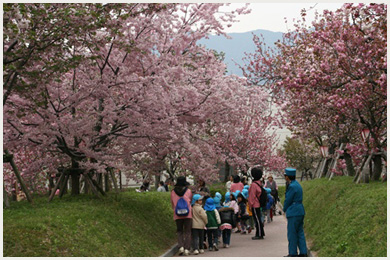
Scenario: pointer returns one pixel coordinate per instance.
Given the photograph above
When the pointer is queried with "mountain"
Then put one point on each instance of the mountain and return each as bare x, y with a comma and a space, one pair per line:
239, 43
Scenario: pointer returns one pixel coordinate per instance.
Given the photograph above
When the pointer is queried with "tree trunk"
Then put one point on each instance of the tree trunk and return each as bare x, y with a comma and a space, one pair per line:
114, 180
325, 170
53, 192
5, 197
377, 167
348, 160
157, 179
91, 184
97, 186
227, 171
86, 185
106, 182
99, 180
75, 174
64, 185
18, 176
120, 180
51, 185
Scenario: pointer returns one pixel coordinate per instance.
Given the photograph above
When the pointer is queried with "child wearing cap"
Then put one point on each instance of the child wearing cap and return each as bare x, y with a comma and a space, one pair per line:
199, 221
213, 222
270, 202
243, 215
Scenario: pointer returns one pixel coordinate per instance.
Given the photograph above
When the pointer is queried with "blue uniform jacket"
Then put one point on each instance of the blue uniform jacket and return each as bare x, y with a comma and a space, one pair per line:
293, 203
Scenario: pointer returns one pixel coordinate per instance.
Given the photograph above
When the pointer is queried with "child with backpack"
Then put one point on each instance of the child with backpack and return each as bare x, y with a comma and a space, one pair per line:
213, 222
255, 191
199, 221
243, 215
227, 224
182, 214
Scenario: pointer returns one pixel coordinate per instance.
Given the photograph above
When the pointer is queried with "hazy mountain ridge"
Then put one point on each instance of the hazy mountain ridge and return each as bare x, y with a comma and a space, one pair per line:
239, 44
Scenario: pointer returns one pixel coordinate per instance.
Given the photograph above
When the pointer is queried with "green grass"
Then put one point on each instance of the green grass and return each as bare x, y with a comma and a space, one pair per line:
344, 219
129, 225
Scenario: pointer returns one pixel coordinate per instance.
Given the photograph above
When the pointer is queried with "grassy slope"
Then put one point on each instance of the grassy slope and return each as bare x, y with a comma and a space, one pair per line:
130, 224
344, 219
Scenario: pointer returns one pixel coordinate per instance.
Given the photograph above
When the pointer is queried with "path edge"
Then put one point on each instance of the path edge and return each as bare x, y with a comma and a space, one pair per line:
171, 252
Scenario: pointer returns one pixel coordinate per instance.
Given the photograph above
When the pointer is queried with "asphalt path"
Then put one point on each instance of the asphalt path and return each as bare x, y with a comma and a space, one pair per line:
274, 244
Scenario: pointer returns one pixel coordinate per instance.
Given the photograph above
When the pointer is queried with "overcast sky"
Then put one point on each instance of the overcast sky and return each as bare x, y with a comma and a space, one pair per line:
270, 16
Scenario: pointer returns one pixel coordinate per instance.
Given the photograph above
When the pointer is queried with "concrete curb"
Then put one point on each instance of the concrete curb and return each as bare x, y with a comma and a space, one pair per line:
171, 252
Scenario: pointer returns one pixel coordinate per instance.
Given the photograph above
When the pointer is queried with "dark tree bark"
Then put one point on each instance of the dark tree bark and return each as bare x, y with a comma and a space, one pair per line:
377, 167
227, 171
106, 183
348, 160
18, 176
75, 173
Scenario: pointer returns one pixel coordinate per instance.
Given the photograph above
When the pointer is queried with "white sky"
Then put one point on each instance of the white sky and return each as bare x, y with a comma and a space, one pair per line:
270, 16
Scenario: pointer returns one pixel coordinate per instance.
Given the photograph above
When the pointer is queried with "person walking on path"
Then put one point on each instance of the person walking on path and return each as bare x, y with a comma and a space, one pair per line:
161, 187
199, 221
270, 203
236, 185
295, 214
229, 183
227, 222
183, 223
254, 203
213, 222
243, 214
273, 186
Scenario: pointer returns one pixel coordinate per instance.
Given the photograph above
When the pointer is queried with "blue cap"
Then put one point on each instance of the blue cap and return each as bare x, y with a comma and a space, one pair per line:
246, 187
217, 201
209, 206
227, 196
236, 193
268, 190
218, 195
195, 198
290, 172
245, 193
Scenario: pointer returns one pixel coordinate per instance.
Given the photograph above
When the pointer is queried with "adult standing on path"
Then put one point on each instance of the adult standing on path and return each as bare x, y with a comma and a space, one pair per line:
183, 223
229, 183
254, 203
295, 214
236, 185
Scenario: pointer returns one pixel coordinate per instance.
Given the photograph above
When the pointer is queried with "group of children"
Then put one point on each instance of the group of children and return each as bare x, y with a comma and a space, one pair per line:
213, 219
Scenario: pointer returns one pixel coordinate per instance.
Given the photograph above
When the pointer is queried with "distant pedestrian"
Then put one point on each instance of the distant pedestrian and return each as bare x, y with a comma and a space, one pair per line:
229, 183
270, 183
167, 183
202, 189
161, 187
199, 221
295, 214
213, 222
236, 185
254, 203
183, 220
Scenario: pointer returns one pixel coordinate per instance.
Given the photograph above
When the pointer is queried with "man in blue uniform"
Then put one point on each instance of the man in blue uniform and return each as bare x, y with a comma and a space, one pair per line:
295, 213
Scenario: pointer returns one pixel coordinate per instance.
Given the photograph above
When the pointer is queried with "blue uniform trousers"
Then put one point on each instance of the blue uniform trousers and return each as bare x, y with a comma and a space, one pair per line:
296, 236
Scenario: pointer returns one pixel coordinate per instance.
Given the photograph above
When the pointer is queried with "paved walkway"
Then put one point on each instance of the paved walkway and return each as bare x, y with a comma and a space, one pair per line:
275, 243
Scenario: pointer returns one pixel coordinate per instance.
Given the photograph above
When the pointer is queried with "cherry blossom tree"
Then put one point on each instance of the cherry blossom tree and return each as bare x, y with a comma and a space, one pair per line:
136, 91
330, 78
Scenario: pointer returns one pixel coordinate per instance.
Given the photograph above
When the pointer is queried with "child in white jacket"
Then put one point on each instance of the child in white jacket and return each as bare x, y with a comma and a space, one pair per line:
199, 221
